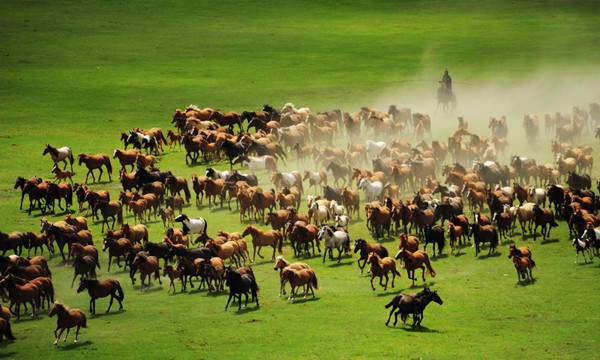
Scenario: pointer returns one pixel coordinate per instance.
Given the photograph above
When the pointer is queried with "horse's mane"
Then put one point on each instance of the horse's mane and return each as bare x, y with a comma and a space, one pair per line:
60, 304
192, 107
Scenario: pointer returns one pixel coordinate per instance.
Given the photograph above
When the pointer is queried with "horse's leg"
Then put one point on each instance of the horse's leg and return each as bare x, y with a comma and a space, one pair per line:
387, 280
112, 296
324, 255
67, 334
59, 334
390, 316
77, 332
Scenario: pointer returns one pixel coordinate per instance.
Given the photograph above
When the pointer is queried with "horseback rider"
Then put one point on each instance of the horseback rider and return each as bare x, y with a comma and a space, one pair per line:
447, 81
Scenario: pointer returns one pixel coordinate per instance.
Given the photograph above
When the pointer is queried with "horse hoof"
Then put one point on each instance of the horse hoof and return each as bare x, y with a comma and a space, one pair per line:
75, 341
56, 342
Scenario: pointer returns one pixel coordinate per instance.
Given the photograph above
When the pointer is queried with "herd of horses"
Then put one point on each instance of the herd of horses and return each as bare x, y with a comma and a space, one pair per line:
398, 168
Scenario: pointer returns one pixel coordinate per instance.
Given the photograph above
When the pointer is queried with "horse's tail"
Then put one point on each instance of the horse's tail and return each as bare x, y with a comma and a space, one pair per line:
186, 190
162, 137
108, 164
280, 242
84, 323
51, 290
120, 291
430, 269
8, 332
532, 262
441, 244
71, 158
384, 252
553, 223
120, 216
70, 196
315, 282
403, 317
398, 272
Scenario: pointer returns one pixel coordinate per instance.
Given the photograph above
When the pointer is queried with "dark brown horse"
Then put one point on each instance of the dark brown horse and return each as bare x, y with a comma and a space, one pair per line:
21, 294
67, 319
110, 209
147, 265
365, 249
98, 289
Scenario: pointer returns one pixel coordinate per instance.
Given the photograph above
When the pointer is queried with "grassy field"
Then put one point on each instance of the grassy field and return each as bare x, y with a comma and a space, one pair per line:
78, 74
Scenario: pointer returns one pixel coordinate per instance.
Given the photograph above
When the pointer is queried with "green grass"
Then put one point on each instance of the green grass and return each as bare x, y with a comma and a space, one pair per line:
79, 74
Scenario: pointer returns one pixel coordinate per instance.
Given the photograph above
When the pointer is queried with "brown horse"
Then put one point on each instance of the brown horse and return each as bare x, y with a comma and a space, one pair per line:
261, 238
62, 174
98, 289
45, 286
172, 274
455, 233
302, 234
522, 264
5, 330
126, 157
95, 162
365, 249
281, 263
296, 278
116, 248
35, 241
380, 267
229, 250
21, 294
414, 261
79, 222
109, 209
67, 319
147, 265
78, 249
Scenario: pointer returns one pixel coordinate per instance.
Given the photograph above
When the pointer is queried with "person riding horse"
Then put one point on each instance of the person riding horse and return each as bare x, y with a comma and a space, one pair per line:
447, 82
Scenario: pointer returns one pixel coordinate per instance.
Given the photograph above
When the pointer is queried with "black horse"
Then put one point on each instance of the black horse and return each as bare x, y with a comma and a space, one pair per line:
232, 150
483, 234
435, 235
275, 114
446, 211
144, 176
579, 181
235, 176
84, 266
240, 284
196, 253
160, 250
415, 304
333, 194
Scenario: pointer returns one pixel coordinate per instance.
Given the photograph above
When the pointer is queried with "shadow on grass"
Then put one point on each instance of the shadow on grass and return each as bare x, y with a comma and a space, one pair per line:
526, 283
73, 345
548, 241
300, 299
422, 329
103, 313
492, 255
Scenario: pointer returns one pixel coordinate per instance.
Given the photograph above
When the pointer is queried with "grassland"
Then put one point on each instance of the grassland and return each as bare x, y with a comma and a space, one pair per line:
77, 74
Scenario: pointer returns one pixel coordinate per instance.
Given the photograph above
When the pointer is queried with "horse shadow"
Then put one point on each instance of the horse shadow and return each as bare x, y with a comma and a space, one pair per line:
152, 289
485, 256
247, 309
440, 256
74, 345
423, 329
301, 300
526, 283
111, 313
548, 241
457, 254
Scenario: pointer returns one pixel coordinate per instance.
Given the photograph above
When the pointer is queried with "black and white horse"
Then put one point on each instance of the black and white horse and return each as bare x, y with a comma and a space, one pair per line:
141, 141
192, 226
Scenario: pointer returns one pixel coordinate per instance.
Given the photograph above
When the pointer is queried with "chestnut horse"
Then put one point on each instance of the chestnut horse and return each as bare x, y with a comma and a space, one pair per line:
67, 319
21, 294
414, 261
365, 249
261, 238
380, 267
126, 157
281, 263
296, 278
98, 289
95, 162
147, 265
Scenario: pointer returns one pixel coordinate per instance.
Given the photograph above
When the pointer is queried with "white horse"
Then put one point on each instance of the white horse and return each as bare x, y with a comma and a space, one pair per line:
216, 174
342, 221
319, 213
335, 209
373, 189
265, 162
192, 226
337, 239
304, 113
537, 196
60, 154
315, 178
374, 148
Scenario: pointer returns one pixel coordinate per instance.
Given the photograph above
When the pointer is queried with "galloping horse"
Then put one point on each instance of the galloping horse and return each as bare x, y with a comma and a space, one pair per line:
261, 238
95, 162
240, 284
98, 289
67, 319
380, 267
60, 154
365, 249
334, 239
303, 277
192, 226
412, 304
414, 261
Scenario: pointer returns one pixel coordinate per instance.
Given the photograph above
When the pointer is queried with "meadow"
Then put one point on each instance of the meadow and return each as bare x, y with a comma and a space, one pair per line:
78, 74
